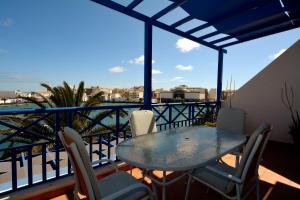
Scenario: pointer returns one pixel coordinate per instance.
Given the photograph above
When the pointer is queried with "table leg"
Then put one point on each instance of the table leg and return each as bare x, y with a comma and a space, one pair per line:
164, 186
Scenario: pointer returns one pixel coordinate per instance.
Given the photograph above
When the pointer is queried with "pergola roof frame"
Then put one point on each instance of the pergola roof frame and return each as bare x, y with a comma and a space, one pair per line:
277, 21
128, 11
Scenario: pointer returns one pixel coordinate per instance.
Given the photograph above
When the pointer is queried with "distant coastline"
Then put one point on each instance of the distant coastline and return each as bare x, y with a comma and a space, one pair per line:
24, 105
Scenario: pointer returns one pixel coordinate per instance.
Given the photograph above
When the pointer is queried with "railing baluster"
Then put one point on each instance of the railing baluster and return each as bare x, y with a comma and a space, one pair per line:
170, 116
44, 162
57, 142
108, 147
100, 147
14, 176
117, 125
29, 165
91, 148
69, 123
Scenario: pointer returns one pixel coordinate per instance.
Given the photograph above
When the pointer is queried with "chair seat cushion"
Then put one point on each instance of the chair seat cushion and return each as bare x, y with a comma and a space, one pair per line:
215, 180
118, 181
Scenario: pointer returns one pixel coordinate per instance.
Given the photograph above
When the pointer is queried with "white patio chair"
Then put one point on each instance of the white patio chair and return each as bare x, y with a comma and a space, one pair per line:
232, 120
235, 183
142, 122
119, 185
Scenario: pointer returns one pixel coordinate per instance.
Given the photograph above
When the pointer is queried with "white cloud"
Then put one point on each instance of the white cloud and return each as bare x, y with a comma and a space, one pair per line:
184, 67
6, 22
276, 55
177, 78
156, 71
186, 45
139, 60
117, 69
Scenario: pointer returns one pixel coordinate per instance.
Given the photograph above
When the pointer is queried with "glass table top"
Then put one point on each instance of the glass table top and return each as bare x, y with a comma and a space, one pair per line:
178, 149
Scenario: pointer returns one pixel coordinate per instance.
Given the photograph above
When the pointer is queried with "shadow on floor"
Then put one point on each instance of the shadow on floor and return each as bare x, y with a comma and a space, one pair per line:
283, 159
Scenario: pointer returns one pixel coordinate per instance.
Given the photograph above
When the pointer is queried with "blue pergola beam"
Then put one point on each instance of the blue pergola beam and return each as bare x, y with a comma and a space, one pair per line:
266, 31
137, 15
133, 4
198, 28
220, 77
209, 35
182, 21
168, 9
148, 66
221, 39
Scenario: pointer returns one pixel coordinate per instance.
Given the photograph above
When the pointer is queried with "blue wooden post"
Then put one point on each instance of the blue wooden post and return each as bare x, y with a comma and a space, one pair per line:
220, 77
148, 66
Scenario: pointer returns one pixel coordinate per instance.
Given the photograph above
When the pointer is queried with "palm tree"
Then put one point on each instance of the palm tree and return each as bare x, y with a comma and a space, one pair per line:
60, 96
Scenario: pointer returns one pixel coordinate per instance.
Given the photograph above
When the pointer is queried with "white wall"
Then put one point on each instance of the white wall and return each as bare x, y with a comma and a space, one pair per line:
166, 95
260, 97
194, 95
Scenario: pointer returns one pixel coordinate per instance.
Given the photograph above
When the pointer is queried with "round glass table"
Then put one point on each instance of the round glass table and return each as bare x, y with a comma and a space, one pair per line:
179, 149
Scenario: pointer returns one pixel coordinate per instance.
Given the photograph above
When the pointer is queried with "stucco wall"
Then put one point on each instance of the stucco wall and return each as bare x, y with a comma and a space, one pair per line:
260, 97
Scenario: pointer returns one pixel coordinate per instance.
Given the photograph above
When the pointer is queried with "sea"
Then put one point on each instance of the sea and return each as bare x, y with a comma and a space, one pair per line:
107, 121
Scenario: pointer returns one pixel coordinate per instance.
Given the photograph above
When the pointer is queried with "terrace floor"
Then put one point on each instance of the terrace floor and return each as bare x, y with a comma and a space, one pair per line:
279, 177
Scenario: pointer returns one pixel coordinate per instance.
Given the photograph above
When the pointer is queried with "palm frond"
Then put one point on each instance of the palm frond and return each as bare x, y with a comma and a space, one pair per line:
79, 94
46, 99
69, 94
34, 101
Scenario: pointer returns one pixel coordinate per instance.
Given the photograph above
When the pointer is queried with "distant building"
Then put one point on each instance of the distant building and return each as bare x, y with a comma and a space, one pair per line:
94, 90
136, 95
212, 94
117, 97
8, 97
184, 93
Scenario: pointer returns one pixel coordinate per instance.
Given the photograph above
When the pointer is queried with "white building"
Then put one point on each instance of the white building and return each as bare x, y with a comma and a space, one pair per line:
8, 97
212, 94
194, 96
184, 93
117, 97
136, 95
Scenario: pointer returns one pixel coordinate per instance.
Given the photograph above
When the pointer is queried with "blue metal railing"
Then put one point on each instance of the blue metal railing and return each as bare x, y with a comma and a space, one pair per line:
44, 159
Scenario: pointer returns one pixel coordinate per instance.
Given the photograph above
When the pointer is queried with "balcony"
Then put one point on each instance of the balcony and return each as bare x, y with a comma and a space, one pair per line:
45, 165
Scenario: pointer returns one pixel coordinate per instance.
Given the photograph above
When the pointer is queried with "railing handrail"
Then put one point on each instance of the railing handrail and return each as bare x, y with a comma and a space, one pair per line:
61, 109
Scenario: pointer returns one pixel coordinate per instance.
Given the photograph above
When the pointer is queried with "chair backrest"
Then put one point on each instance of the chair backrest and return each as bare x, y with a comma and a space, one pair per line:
252, 153
250, 172
142, 122
85, 178
231, 119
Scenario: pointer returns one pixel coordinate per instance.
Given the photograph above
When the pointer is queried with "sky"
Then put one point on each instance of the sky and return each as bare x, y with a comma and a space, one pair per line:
51, 41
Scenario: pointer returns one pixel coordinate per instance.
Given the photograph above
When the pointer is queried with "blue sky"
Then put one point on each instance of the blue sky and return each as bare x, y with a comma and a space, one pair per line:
48, 41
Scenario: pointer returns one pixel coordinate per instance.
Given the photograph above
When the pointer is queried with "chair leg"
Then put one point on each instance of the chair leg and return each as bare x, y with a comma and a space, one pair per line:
238, 192
154, 191
187, 190
237, 160
257, 189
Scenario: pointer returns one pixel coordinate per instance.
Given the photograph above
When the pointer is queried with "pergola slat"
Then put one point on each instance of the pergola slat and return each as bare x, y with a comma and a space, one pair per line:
133, 4
168, 9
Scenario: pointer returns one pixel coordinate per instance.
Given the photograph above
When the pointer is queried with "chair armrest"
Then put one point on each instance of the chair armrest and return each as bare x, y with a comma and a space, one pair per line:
112, 163
225, 175
126, 190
